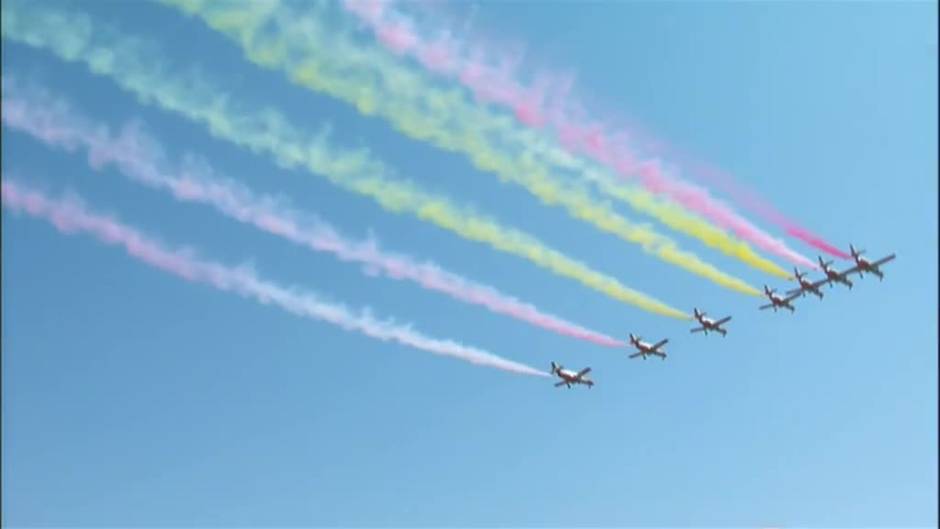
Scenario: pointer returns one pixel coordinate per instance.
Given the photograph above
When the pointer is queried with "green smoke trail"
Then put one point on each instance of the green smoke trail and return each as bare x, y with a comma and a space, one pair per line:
329, 62
139, 68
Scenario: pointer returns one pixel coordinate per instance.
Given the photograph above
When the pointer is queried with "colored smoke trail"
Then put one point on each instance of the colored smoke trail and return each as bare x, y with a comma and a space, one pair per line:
70, 216
804, 235
137, 67
668, 212
535, 106
751, 201
140, 157
296, 45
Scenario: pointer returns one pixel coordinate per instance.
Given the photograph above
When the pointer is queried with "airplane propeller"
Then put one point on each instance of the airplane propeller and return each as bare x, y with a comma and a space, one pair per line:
799, 275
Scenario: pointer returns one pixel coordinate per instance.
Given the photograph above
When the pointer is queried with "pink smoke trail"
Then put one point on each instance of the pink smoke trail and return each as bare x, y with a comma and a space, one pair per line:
723, 181
70, 216
754, 203
537, 105
141, 158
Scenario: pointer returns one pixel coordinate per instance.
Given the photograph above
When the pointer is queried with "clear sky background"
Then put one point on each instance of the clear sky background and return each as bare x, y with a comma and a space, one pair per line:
131, 398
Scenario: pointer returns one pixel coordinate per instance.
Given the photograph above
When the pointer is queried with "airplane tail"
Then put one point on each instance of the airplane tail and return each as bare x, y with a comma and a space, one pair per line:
797, 274
855, 253
554, 368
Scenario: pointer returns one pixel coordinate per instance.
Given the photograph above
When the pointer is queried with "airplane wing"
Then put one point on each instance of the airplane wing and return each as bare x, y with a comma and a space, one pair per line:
883, 260
767, 306
583, 372
634, 355
723, 320
852, 270
698, 329
791, 297
562, 383
815, 284
660, 344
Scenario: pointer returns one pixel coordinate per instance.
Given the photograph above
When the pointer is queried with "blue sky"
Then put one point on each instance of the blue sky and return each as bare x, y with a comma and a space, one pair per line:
131, 398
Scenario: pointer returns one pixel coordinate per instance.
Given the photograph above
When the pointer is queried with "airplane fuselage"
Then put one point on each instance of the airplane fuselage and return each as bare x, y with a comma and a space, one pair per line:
645, 349
572, 378
779, 302
709, 324
569, 377
865, 266
835, 277
807, 285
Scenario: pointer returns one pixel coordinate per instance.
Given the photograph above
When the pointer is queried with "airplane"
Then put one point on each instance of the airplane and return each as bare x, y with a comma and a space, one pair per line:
570, 377
832, 275
709, 324
863, 265
807, 285
778, 302
645, 349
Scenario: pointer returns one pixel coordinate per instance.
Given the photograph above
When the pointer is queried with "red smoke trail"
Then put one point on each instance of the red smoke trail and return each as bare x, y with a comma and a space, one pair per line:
754, 203
70, 216
538, 105
141, 158
723, 181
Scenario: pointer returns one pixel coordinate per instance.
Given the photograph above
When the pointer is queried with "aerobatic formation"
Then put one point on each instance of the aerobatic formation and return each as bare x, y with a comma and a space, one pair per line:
397, 63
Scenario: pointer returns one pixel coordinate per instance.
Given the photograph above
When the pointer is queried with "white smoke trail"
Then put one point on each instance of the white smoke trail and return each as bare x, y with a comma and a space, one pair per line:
70, 216
31, 109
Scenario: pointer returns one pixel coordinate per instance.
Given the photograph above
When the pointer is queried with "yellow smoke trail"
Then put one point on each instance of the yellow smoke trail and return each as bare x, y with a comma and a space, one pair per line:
138, 68
663, 210
327, 62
